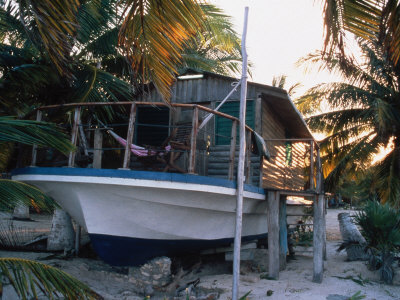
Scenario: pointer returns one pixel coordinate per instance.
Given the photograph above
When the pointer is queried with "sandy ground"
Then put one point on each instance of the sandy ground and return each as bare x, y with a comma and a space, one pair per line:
294, 282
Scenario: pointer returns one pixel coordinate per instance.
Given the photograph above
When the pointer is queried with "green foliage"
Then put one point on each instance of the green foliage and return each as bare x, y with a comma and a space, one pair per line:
32, 132
361, 115
380, 226
357, 296
244, 297
359, 280
30, 278
13, 193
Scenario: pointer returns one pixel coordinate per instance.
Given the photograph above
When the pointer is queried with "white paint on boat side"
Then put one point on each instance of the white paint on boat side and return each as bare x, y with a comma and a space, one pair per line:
152, 209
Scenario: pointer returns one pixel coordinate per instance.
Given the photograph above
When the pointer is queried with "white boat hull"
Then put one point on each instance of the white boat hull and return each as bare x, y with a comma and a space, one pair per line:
149, 209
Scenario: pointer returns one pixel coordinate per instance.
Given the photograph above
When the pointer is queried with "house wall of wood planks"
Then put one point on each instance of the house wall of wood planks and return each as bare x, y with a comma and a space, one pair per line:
286, 169
274, 116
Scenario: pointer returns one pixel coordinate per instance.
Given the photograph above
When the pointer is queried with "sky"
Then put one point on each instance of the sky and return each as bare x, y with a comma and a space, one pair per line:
279, 33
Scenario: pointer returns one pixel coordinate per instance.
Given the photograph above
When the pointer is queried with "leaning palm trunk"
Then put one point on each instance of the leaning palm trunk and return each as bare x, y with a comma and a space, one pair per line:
353, 241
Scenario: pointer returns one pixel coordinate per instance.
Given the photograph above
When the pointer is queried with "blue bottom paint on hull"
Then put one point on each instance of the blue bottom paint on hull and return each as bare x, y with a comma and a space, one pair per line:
124, 251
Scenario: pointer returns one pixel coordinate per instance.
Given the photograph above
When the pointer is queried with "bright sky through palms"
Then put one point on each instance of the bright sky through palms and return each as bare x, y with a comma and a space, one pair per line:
279, 33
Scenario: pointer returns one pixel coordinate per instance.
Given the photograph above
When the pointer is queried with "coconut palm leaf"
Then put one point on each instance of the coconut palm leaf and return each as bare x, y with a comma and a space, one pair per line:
33, 133
153, 35
56, 24
217, 48
32, 280
389, 179
11, 28
13, 193
368, 19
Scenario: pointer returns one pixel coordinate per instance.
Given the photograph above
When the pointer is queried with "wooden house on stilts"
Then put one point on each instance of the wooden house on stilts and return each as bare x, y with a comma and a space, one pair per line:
282, 162
292, 169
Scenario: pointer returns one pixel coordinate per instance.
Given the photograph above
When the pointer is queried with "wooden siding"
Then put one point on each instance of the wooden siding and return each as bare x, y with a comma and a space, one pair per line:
281, 172
207, 89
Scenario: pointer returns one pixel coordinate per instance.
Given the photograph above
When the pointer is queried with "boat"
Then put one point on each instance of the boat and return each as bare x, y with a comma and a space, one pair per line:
133, 216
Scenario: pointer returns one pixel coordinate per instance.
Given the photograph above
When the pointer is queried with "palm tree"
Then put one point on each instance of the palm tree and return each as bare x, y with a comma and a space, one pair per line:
374, 20
280, 82
150, 34
363, 114
215, 48
30, 278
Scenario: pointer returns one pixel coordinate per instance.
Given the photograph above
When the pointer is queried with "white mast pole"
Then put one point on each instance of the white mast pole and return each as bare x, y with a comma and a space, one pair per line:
240, 174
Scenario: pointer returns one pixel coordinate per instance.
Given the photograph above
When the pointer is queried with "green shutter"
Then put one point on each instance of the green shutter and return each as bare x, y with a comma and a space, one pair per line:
223, 126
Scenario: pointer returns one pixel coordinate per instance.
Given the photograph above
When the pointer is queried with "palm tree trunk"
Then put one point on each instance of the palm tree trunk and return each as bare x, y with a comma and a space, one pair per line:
351, 234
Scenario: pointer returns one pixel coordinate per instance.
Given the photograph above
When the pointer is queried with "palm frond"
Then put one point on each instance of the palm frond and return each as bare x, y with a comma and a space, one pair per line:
153, 35
32, 279
34, 133
56, 23
348, 160
11, 29
389, 179
13, 193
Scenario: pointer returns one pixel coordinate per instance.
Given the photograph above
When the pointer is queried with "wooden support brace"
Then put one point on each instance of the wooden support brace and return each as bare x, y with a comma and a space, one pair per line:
74, 135
129, 136
193, 138
34, 148
77, 239
232, 151
273, 234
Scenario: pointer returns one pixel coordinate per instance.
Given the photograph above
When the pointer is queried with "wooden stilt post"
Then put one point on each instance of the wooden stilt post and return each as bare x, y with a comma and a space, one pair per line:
97, 152
232, 151
193, 138
34, 148
319, 227
74, 135
273, 234
283, 242
129, 137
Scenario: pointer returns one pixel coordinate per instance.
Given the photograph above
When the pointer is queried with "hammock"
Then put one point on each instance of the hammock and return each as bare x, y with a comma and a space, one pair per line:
137, 150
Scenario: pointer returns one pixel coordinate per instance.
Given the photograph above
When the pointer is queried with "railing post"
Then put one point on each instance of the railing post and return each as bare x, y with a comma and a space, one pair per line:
74, 135
34, 148
248, 157
311, 165
129, 136
232, 151
195, 126
97, 145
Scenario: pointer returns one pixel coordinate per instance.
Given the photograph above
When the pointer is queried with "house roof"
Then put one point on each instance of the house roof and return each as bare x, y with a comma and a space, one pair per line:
285, 109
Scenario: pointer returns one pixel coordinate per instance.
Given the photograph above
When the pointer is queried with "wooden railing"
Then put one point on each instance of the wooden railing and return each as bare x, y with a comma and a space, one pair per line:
131, 128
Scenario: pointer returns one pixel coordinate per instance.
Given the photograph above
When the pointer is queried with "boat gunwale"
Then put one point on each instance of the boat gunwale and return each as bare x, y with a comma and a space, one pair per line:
133, 174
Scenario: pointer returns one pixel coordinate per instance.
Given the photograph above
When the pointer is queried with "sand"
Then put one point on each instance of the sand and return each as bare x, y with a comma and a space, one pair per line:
294, 283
